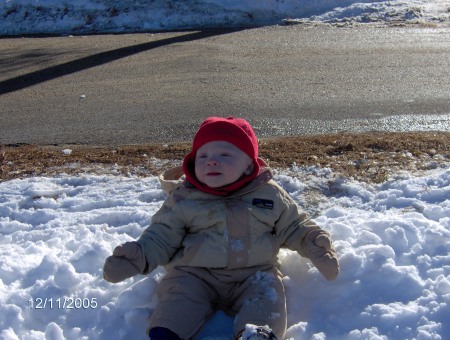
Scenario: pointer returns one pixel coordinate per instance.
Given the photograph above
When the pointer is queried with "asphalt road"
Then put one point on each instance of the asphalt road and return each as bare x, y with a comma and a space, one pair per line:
141, 88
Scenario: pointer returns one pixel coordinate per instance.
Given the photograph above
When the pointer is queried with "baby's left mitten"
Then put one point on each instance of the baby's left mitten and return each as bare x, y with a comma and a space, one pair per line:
320, 250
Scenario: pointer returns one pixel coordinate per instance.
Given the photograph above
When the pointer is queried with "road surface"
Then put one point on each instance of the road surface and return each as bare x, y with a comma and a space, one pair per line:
287, 80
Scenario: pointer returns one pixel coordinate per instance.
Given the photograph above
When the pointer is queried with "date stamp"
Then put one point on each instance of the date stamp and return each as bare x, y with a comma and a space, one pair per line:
62, 303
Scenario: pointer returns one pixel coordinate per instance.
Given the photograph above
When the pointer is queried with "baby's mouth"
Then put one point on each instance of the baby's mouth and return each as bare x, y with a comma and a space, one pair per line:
213, 174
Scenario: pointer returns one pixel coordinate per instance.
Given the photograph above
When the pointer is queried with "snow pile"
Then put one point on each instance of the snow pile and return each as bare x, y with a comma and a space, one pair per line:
100, 16
395, 12
393, 241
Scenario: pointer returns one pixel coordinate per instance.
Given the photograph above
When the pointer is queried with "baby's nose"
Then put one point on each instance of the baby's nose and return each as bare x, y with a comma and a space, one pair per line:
212, 161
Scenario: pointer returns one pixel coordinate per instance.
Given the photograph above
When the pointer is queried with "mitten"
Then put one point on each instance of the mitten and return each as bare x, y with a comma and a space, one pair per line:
319, 249
127, 260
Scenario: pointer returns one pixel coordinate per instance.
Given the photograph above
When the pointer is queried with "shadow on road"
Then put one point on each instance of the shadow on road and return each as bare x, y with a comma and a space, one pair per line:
53, 72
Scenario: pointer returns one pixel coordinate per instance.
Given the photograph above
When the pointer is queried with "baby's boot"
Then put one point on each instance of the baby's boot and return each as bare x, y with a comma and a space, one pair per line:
161, 333
253, 332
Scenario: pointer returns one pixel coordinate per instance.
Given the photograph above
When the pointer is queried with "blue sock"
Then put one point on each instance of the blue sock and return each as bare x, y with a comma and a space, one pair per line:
161, 333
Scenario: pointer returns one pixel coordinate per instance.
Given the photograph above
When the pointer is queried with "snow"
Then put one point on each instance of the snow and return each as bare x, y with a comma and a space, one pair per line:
392, 239
100, 16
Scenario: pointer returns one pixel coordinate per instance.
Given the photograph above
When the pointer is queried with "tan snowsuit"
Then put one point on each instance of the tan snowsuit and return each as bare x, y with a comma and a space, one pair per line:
221, 252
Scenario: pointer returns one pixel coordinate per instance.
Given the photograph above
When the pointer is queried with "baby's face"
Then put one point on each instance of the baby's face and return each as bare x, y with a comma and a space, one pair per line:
221, 163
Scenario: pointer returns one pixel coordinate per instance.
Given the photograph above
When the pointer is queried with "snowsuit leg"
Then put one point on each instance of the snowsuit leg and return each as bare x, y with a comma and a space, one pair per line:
184, 303
262, 302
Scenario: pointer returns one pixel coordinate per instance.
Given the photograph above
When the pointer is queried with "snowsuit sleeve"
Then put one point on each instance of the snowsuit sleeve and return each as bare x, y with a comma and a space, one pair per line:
162, 239
293, 224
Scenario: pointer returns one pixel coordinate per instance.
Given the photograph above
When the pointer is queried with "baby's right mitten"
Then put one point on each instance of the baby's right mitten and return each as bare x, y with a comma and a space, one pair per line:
127, 260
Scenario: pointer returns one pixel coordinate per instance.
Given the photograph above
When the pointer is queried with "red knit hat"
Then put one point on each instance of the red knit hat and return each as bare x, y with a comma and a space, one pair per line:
236, 131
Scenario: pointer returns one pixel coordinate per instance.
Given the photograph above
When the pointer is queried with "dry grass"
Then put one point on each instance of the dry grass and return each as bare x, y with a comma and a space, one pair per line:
369, 157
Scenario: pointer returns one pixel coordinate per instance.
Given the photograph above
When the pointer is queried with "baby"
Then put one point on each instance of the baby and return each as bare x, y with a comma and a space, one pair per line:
219, 233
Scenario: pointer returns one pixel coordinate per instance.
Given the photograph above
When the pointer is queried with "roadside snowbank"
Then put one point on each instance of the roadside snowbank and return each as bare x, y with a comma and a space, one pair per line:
92, 16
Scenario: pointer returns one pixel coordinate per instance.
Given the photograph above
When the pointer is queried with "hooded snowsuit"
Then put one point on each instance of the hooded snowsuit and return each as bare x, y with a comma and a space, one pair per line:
222, 253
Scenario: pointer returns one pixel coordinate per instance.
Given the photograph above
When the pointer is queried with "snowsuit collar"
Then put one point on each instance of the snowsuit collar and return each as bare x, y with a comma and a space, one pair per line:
174, 178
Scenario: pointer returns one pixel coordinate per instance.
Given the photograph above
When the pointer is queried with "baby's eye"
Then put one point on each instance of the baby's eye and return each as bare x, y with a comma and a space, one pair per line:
226, 155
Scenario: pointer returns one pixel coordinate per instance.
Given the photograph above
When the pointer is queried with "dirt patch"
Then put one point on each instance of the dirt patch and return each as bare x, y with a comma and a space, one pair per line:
369, 157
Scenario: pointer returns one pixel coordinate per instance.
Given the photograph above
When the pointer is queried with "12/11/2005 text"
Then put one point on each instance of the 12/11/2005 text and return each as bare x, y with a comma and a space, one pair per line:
62, 303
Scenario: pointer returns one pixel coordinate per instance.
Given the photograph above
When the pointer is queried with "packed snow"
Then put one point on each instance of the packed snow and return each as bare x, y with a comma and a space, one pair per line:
392, 239
100, 16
